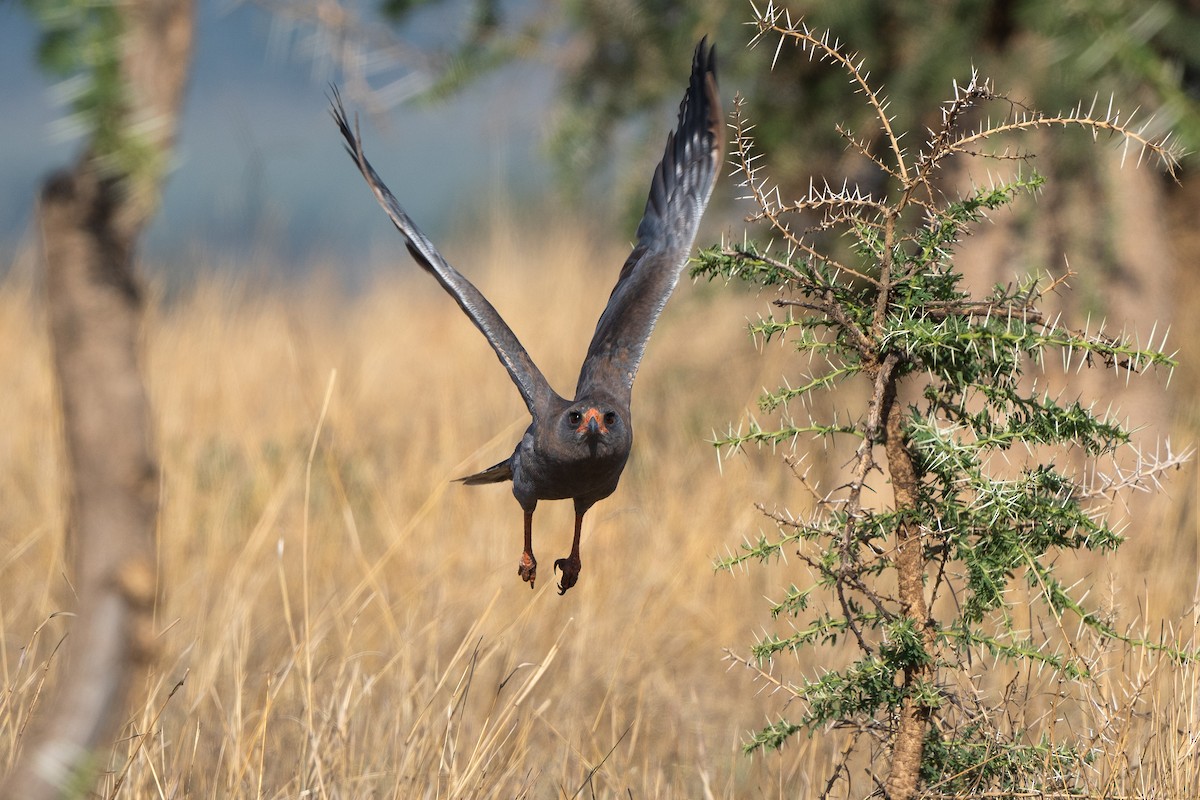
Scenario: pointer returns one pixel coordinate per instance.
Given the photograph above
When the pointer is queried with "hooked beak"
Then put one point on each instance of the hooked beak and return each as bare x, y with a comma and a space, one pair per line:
592, 424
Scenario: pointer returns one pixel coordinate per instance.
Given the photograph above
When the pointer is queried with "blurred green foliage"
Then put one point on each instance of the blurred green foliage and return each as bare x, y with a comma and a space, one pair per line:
623, 60
80, 40
81, 43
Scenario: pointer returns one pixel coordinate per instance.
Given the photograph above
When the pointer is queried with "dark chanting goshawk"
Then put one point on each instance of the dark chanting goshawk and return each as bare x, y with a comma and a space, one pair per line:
577, 448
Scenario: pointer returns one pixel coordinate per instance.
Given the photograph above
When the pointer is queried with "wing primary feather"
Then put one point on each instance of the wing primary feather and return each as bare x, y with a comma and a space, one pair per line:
525, 374
679, 192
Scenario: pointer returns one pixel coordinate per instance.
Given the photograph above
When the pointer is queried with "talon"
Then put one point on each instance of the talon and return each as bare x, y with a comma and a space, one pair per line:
528, 568
570, 573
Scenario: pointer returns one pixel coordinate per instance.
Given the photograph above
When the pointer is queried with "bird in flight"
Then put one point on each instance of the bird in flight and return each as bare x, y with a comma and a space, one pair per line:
577, 448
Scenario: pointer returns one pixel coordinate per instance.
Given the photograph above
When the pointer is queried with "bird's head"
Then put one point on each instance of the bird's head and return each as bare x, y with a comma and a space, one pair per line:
598, 426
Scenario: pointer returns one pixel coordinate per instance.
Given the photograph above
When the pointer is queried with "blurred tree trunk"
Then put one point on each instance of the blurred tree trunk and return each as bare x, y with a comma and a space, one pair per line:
91, 219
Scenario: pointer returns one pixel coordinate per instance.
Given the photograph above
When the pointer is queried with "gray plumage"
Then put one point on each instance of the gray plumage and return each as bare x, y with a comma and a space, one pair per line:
577, 448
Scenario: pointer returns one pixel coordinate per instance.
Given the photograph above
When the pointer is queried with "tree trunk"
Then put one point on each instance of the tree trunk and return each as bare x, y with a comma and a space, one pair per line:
90, 227
909, 744
95, 312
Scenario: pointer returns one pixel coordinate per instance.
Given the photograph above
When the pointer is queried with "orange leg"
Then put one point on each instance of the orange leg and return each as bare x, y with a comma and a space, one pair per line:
528, 567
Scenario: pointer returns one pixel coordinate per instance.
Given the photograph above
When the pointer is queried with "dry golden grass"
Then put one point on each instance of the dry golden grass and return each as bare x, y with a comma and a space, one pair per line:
342, 621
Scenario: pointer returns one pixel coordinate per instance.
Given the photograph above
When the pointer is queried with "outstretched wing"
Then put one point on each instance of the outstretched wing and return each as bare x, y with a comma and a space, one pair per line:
679, 192
525, 374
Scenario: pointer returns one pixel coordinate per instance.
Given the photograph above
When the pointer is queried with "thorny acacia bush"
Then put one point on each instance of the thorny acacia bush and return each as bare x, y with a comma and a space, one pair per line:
978, 453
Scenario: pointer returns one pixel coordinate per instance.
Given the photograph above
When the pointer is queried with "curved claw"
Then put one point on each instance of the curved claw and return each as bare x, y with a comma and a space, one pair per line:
527, 569
570, 573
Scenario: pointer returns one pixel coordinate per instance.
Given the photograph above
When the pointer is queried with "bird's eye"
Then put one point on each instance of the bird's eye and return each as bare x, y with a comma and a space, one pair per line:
610, 418
575, 417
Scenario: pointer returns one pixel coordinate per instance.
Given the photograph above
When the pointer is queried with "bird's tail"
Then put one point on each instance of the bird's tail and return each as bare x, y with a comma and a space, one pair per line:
496, 474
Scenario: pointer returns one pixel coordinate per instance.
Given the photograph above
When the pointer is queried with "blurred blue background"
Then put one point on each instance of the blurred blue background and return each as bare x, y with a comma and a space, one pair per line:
259, 167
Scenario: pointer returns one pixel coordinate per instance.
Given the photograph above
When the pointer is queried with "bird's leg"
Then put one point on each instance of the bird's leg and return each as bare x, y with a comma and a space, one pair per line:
528, 566
570, 564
